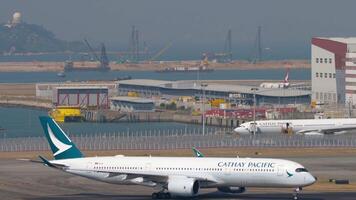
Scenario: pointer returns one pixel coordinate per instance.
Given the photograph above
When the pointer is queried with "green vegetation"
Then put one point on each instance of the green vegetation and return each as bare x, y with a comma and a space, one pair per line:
34, 38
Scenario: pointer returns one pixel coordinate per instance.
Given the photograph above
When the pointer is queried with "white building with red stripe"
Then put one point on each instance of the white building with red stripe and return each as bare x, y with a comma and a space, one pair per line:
333, 62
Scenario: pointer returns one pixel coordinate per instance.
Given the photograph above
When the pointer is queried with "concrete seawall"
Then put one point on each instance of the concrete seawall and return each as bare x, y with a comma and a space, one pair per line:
25, 103
113, 116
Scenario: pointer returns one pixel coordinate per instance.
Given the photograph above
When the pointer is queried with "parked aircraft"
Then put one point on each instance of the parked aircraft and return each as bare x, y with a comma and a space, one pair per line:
310, 127
283, 84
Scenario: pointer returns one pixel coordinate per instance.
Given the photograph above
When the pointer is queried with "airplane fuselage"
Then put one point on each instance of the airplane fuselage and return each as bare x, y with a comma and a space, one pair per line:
296, 126
232, 172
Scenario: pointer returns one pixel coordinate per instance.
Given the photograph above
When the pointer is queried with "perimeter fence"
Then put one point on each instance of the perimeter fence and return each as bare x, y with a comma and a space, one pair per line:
179, 139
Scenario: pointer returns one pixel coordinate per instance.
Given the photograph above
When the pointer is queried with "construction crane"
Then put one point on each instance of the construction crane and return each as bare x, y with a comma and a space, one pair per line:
103, 60
164, 49
91, 49
257, 51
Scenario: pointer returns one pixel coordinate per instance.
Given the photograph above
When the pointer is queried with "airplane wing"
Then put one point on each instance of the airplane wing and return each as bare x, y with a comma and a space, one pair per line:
326, 131
151, 179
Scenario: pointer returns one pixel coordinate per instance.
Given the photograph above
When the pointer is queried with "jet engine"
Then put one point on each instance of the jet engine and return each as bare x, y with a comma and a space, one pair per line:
232, 189
183, 186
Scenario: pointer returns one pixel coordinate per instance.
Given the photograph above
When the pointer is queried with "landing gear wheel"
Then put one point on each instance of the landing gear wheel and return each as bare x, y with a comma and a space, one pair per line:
161, 195
167, 195
154, 195
296, 193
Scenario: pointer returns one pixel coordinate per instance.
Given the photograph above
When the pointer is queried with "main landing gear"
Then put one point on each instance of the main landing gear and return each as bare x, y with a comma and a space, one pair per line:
161, 195
296, 193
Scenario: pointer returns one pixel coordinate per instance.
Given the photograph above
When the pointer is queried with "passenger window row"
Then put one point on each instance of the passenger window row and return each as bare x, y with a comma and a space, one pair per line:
255, 170
216, 169
129, 168
182, 169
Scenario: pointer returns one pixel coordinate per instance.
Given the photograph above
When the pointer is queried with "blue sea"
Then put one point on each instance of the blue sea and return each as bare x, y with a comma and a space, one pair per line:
24, 122
33, 77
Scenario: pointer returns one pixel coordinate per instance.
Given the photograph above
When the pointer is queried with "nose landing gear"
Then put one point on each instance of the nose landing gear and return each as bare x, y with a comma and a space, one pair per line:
296, 193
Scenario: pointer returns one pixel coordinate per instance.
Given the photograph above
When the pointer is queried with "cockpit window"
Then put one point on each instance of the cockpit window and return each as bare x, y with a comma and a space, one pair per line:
301, 170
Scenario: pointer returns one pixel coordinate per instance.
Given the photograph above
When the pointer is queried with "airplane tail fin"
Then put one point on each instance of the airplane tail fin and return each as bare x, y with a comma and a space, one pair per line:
61, 146
197, 153
286, 78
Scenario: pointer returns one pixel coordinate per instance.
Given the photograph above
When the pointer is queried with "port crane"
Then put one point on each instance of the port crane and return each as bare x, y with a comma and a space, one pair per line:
164, 49
103, 59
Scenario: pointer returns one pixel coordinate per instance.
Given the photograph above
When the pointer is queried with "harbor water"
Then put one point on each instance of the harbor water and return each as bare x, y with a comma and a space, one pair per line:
24, 122
273, 74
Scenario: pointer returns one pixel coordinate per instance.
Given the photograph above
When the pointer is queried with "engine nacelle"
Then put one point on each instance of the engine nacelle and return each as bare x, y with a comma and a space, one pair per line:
232, 189
183, 186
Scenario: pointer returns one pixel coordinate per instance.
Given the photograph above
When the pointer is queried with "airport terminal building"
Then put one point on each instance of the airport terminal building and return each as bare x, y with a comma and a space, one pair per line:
240, 94
333, 62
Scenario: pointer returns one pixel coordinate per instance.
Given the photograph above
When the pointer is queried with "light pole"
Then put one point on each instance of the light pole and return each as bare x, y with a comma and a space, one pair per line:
254, 110
350, 106
203, 86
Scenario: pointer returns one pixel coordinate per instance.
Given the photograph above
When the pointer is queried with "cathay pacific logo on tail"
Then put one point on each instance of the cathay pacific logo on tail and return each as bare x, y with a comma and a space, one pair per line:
57, 143
61, 146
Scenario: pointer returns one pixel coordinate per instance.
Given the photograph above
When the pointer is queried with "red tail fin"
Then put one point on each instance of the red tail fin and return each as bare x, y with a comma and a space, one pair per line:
286, 78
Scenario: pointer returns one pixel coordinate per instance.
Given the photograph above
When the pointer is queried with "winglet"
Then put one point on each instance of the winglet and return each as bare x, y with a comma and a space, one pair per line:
197, 153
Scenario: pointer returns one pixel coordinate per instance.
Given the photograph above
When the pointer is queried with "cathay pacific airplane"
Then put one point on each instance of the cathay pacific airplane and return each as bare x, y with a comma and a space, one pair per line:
175, 176
310, 127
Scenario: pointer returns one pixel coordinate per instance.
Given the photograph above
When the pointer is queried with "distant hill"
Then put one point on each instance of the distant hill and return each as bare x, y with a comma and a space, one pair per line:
25, 37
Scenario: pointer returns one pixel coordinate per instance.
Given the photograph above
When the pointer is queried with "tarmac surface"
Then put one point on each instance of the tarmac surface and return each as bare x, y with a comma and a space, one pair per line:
26, 180
33, 181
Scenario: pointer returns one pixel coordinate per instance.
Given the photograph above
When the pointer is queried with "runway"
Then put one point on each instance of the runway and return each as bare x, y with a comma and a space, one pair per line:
315, 196
33, 181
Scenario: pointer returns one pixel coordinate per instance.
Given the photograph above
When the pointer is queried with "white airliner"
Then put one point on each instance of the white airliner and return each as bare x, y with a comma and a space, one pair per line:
174, 176
311, 127
283, 84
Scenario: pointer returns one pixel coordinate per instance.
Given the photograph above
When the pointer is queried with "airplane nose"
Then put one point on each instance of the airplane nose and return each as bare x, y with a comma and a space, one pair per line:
241, 130
311, 179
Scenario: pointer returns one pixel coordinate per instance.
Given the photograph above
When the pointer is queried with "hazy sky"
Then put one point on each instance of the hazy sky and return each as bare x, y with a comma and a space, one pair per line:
288, 25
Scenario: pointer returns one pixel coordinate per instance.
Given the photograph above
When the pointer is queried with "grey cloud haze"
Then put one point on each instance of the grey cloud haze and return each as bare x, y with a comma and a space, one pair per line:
191, 23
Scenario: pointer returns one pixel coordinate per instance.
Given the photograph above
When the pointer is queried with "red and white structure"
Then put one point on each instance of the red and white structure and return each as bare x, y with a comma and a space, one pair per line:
333, 62
87, 97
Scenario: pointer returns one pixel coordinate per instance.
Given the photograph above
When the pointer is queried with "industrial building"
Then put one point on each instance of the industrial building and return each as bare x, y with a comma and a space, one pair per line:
45, 90
85, 97
239, 94
333, 62
131, 104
